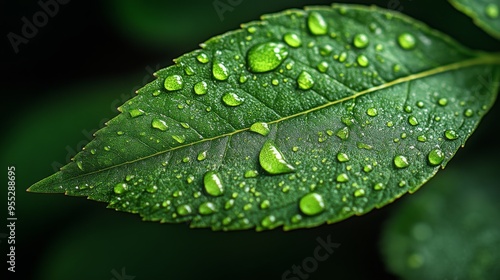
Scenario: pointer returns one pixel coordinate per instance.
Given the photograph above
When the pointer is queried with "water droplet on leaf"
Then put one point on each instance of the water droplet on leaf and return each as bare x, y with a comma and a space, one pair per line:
189, 71
317, 24
159, 124
401, 161
152, 189
136, 112
173, 82
265, 204
202, 156
372, 112
292, 39
362, 61
260, 128
342, 157
206, 208
322, 66
120, 188
312, 204
231, 99
492, 11
179, 138
305, 80
203, 58
342, 178
343, 133
272, 161
184, 210
361, 41
406, 41
213, 184
251, 174
412, 120
435, 157
268, 221
266, 57
219, 71
450, 134
468, 112
201, 88
442, 101
359, 192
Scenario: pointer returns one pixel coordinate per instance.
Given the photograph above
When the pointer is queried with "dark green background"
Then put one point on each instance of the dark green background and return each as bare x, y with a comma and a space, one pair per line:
87, 60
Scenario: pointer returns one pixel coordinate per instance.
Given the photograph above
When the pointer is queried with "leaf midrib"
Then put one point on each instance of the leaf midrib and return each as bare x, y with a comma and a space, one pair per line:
482, 59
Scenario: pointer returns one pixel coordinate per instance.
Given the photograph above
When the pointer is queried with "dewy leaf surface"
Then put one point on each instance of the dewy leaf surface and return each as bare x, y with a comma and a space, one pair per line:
484, 13
305, 117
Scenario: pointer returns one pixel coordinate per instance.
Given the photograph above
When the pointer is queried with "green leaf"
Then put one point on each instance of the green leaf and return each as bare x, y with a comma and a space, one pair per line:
305, 117
456, 216
484, 13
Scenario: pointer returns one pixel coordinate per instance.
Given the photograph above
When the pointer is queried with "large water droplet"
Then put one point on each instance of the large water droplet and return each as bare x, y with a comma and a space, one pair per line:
159, 124
136, 112
343, 133
268, 221
360, 41
120, 188
435, 157
206, 208
231, 99
219, 71
202, 156
412, 120
292, 39
359, 193
378, 186
442, 101
79, 164
260, 128
272, 161
450, 134
362, 60
312, 204
342, 57
179, 138
305, 80
201, 88
251, 174
406, 41
492, 10
317, 24
184, 209
401, 161
266, 57
342, 178
372, 112
173, 82
203, 58
213, 184
342, 157
189, 71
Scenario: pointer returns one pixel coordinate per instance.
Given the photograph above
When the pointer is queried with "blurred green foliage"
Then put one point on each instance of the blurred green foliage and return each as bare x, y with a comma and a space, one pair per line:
449, 231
